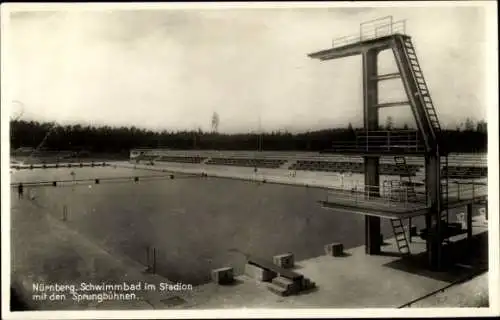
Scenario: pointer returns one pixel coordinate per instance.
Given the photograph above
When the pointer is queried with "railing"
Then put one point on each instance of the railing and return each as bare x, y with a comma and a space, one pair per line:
373, 29
390, 195
383, 141
460, 190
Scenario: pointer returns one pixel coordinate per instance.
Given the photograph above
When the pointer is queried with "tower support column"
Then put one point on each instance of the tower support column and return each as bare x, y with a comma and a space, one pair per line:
433, 218
372, 179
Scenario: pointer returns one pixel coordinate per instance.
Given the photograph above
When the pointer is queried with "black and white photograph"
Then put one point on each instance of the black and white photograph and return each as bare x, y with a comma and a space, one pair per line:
220, 160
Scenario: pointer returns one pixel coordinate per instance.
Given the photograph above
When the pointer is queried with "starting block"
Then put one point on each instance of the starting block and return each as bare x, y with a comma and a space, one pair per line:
286, 261
335, 249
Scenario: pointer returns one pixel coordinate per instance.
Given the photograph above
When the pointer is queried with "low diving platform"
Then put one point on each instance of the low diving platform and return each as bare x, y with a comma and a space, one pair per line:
400, 202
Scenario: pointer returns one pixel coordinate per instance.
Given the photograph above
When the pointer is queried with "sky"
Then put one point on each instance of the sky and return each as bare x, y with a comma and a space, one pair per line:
172, 69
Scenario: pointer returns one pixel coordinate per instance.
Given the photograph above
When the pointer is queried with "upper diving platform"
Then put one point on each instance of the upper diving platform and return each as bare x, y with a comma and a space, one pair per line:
377, 33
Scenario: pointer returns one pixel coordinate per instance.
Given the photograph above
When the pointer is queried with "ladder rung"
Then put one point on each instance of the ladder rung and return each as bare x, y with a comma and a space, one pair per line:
387, 76
392, 104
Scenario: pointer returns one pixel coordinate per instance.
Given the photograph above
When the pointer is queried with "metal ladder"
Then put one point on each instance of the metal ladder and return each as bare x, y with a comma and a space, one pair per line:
423, 93
411, 193
400, 236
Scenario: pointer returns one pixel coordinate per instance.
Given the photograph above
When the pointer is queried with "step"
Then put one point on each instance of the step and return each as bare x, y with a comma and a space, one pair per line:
307, 284
277, 290
283, 282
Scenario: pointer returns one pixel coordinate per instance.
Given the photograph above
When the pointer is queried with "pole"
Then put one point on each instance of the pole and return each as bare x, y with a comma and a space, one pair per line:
154, 260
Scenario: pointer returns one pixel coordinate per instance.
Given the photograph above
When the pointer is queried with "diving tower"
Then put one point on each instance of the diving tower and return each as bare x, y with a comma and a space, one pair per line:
402, 200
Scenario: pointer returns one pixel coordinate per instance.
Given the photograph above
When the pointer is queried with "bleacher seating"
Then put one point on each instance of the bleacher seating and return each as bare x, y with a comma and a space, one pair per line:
457, 172
354, 167
247, 162
145, 157
179, 159
392, 169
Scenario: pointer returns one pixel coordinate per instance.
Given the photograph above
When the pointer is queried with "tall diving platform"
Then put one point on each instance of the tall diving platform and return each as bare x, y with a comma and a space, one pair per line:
404, 199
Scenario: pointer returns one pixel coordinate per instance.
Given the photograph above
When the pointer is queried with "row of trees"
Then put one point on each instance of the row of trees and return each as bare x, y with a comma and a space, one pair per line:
467, 125
122, 139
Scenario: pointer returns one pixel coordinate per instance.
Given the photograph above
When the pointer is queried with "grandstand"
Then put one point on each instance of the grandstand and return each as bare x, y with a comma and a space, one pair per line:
248, 162
195, 159
459, 166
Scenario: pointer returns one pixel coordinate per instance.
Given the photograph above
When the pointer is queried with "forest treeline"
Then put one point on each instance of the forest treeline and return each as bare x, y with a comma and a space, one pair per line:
105, 139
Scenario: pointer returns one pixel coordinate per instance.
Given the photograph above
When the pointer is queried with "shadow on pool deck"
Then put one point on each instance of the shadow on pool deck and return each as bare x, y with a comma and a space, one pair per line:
461, 259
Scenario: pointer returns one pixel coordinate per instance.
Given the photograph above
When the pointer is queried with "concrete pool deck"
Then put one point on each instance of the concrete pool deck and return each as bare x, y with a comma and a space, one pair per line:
282, 176
48, 251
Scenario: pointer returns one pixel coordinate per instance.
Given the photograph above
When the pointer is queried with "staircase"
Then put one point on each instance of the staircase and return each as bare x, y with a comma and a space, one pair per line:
406, 173
418, 91
285, 287
423, 91
400, 236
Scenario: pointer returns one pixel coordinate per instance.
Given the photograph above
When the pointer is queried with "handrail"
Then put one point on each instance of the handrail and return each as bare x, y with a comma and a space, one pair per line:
370, 30
466, 190
388, 193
